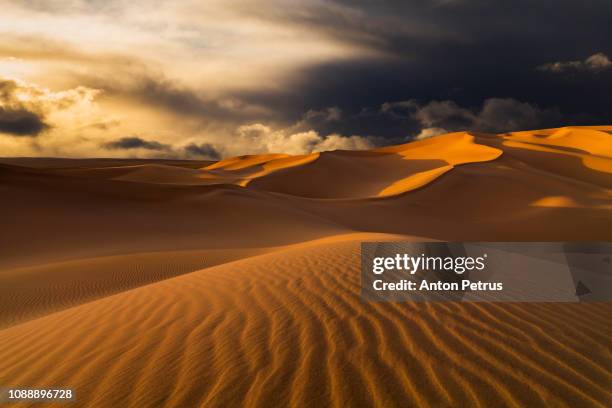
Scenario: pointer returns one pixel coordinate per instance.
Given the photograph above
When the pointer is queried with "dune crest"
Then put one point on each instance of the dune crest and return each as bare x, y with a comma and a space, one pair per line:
454, 148
592, 140
414, 181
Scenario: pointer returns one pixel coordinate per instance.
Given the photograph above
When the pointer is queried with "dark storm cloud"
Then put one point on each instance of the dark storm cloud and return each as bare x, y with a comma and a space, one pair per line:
21, 122
445, 114
162, 92
156, 90
205, 150
595, 63
190, 151
496, 115
460, 52
18, 117
134, 142
505, 115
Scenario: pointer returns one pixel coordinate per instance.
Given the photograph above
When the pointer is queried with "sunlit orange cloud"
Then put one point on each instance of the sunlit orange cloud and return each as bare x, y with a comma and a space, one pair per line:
169, 73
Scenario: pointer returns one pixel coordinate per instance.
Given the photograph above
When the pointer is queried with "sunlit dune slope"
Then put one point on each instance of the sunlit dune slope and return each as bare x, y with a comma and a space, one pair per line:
380, 172
580, 153
289, 329
593, 140
343, 174
453, 149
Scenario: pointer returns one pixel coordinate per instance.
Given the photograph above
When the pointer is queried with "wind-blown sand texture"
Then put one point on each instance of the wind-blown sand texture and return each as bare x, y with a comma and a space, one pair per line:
236, 283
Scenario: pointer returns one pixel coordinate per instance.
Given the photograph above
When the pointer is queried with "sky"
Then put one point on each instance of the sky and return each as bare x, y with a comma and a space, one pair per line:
217, 78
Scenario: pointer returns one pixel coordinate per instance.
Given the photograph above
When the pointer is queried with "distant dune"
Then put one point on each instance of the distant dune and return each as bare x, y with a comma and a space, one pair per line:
151, 283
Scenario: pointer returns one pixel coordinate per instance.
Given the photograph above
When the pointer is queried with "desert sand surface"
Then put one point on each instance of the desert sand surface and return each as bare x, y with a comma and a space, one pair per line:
150, 283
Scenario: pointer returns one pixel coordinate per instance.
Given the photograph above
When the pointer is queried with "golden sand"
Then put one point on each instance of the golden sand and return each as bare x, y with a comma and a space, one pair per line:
148, 284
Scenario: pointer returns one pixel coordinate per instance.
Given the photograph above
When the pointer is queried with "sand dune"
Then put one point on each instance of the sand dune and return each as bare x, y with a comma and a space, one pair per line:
236, 283
83, 218
592, 140
343, 175
33, 291
288, 328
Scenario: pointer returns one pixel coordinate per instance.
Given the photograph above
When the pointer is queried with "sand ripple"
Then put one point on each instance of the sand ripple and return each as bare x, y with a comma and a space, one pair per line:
289, 328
